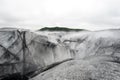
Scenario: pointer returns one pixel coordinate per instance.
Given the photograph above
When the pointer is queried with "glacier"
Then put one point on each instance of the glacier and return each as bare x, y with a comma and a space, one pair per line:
96, 56
45, 55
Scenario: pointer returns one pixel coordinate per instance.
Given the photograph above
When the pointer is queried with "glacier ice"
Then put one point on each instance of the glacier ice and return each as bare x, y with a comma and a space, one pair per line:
85, 55
96, 57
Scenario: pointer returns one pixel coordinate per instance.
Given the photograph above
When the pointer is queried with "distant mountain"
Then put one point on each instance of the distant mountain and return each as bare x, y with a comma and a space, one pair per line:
59, 29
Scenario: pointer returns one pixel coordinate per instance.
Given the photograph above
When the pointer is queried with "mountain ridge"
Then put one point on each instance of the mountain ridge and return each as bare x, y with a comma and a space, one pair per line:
59, 29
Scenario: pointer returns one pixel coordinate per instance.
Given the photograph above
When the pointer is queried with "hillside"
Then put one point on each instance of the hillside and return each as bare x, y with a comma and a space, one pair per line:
59, 29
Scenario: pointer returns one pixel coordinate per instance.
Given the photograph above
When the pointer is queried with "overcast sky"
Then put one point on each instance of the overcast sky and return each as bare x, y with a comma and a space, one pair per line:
34, 14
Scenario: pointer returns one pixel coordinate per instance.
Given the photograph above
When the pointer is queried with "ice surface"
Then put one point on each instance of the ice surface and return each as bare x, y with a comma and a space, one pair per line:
40, 51
96, 57
85, 55
86, 44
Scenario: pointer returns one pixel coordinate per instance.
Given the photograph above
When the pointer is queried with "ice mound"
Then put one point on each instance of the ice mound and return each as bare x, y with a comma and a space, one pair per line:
96, 57
85, 44
23, 51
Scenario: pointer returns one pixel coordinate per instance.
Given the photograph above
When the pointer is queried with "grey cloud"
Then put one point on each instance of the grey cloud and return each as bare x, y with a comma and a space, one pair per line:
108, 15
